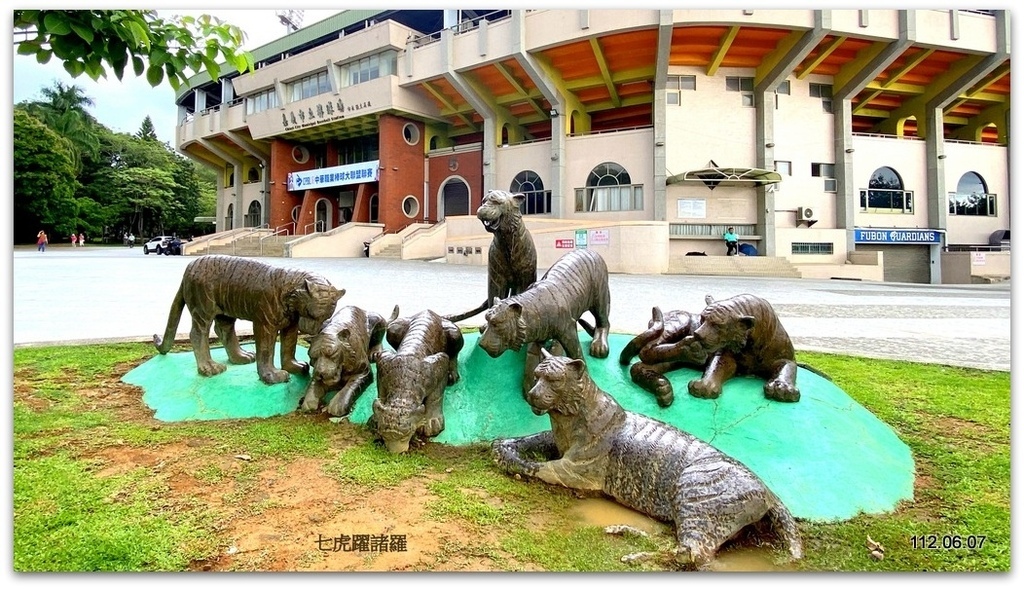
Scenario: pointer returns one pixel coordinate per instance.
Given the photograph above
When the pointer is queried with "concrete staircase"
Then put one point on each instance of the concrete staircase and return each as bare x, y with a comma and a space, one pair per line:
272, 247
393, 251
733, 266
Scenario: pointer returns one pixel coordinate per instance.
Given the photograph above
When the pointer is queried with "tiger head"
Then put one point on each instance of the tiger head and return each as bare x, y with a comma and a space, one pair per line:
499, 211
562, 386
314, 299
723, 327
505, 328
332, 354
403, 382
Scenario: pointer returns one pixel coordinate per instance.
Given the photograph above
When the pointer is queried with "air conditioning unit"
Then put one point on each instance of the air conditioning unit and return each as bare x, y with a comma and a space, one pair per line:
805, 216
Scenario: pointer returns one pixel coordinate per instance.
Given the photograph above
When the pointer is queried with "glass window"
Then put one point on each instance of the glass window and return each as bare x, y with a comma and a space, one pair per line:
529, 184
739, 84
885, 193
609, 189
309, 86
261, 101
369, 68
783, 167
783, 88
972, 197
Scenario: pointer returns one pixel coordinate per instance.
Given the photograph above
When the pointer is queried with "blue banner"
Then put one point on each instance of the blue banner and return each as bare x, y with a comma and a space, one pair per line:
335, 176
897, 236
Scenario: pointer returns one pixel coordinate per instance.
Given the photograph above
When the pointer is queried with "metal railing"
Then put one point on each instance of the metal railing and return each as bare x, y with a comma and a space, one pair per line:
709, 230
277, 232
248, 235
318, 227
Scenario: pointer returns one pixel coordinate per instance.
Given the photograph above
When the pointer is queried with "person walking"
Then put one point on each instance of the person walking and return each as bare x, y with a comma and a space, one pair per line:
41, 241
81, 240
731, 241
131, 240
74, 240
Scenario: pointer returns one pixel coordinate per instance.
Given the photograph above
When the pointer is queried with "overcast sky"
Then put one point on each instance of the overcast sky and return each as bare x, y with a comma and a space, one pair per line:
122, 105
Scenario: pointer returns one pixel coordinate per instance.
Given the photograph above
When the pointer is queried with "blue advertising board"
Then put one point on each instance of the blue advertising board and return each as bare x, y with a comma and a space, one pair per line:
908, 236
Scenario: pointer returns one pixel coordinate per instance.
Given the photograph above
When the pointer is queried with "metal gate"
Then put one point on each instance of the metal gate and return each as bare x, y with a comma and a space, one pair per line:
903, 263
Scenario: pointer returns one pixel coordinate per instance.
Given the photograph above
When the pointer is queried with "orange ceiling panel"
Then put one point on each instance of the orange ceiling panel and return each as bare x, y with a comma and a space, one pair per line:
489, 77
630, 51
573, 60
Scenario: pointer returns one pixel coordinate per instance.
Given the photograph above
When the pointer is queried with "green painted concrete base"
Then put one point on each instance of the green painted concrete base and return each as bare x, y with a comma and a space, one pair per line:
825, 456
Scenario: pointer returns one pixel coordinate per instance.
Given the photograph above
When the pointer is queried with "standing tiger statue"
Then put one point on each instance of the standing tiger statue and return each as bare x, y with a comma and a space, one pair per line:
411, 381
550, 310
220, 289
738, 335
644, 464
512, 257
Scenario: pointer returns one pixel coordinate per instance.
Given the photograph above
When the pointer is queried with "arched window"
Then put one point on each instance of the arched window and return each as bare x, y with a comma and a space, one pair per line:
454, 198
885, 193
609, 189
972, 197
253, 175
229, 218
538, 200
252, 217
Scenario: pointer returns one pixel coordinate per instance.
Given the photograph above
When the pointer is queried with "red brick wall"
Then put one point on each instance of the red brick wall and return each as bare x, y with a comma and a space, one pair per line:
468, 166
281, 201
402, 173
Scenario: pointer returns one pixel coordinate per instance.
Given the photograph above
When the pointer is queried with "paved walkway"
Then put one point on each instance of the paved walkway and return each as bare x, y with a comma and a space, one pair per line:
112, 293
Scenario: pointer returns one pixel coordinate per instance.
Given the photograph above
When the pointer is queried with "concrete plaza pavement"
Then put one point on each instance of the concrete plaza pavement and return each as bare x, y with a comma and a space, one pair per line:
100, 293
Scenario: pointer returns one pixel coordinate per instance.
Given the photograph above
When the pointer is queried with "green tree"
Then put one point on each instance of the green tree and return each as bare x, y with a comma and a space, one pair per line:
44, 180
63, 109
90, 41
150, 193
147, 132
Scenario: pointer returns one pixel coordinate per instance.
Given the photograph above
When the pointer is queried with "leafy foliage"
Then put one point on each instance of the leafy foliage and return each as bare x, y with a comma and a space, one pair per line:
90, 41
44, 179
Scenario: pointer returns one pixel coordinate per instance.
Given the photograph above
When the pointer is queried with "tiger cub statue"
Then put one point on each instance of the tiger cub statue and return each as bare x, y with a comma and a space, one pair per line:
550, 309
220, 289
412, 379
340, 354
643, 463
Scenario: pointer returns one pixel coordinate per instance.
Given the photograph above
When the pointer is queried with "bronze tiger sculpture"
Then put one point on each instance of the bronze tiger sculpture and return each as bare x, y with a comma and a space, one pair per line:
647, 465
550, 310
659, 353
512, 257
220, 289
411, 380
340, 354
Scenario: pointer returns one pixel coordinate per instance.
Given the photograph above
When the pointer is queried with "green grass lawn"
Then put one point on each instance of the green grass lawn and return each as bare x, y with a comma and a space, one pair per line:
70, 515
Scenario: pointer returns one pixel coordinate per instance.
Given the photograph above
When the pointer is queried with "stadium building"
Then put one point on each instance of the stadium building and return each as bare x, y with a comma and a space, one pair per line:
857, 144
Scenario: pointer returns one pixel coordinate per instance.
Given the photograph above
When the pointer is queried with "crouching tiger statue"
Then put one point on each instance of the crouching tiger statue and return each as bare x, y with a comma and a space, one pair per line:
647, 465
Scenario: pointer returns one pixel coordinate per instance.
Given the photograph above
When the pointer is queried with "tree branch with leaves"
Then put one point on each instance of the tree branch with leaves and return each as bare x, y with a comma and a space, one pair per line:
90, 41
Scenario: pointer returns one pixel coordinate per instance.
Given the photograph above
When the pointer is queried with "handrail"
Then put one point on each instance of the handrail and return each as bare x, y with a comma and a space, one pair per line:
289, 224
248, 234
282, 229
319, 224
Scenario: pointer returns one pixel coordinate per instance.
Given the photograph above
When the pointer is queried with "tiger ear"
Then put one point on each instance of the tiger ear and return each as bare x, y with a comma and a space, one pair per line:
747, 322
344, 333
518, 198
518, 308
578, 368
495, 302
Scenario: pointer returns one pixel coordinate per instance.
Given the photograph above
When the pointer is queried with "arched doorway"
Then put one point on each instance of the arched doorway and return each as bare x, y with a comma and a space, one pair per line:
229, 218
374, 208
252, 217
323, 215
454, 198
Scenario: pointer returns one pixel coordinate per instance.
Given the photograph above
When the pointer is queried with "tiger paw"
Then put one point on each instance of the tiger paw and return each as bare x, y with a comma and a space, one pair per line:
704, 390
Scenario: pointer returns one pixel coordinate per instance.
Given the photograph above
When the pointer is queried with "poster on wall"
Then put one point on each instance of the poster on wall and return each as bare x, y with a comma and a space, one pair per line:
564, 244
692, 208
598, 237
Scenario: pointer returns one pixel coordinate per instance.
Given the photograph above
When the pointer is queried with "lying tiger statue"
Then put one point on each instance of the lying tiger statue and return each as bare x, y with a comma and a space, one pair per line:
647, 465
220, 289
512, 257
738, 335
659, 355
412, 379
550, 309
340, 354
